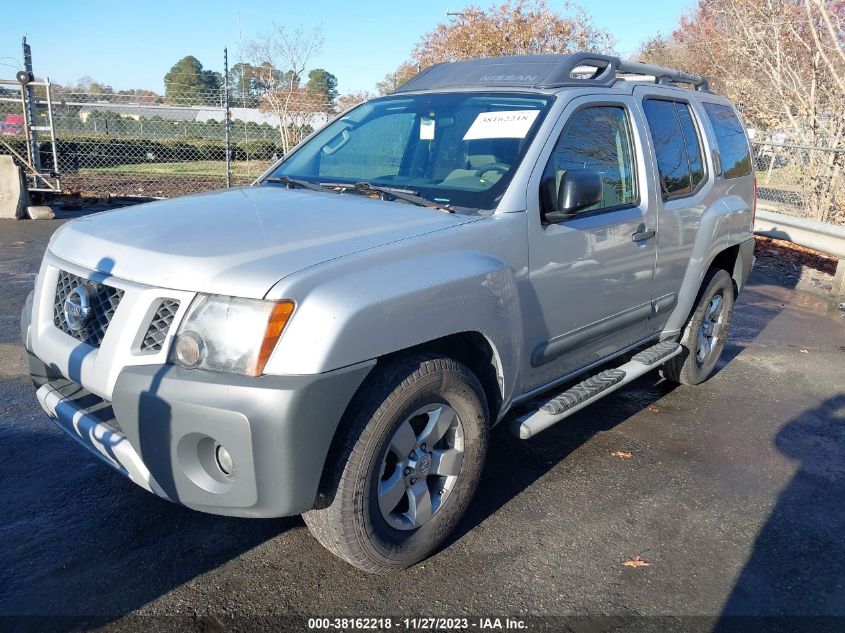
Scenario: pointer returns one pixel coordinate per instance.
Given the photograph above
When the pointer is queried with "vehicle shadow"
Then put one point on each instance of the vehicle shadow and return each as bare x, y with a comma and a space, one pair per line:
514, 465
106, 547
794, 579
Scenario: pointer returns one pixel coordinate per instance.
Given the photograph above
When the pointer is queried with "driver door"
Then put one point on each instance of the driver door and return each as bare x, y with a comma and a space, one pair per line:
590, 276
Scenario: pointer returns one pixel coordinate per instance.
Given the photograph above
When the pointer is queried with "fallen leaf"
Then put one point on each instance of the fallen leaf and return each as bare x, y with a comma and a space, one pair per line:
653, 409
636, 561
622, 454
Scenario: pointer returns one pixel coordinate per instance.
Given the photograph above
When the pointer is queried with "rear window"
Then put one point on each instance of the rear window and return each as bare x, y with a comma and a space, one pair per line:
731, 139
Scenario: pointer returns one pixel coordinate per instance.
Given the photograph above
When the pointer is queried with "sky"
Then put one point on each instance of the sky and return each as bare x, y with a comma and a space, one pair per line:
133, 44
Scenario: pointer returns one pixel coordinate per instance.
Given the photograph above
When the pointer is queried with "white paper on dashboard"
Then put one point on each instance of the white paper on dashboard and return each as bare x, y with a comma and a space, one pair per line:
507, 124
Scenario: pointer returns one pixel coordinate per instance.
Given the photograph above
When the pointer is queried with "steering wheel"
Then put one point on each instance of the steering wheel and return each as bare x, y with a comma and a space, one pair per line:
501, 168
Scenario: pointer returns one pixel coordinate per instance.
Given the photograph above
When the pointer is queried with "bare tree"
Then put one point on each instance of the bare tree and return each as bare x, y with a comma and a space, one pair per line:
350, 99
661, 50
395, 79
280, 59
783, 62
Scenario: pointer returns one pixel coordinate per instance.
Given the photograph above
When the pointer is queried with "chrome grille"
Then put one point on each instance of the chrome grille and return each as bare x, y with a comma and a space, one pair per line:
159, 326
104, 301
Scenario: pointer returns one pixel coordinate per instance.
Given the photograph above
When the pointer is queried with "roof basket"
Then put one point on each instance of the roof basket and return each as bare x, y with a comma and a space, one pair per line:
543, 71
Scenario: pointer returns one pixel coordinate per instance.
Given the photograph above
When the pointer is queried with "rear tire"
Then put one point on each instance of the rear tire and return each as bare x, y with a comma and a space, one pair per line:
706, 332
406, 466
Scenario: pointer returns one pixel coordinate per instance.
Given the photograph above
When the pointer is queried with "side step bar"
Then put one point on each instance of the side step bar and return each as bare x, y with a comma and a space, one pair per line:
588, 391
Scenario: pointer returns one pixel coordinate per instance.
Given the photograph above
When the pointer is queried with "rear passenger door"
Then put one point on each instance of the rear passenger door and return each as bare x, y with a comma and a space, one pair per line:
681, 186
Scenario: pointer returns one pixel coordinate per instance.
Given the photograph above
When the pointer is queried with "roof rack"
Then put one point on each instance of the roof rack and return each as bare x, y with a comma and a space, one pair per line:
543, 71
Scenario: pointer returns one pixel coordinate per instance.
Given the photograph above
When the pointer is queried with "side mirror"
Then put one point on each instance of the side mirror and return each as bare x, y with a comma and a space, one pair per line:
579, 189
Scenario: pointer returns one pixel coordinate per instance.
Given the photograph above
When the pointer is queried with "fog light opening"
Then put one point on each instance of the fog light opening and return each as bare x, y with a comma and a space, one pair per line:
223, 459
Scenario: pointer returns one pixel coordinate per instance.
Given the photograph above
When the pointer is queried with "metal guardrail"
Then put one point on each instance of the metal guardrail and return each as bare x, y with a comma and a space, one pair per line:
827, 238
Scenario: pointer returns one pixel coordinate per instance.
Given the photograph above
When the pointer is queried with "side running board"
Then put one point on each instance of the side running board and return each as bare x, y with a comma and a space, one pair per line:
588, 391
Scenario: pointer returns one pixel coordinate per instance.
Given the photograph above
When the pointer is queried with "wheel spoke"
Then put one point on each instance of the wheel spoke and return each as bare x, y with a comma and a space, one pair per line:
419, 510
438, 423
391, 491
715, 306
702, 346
403, 441
446, 462
715, 328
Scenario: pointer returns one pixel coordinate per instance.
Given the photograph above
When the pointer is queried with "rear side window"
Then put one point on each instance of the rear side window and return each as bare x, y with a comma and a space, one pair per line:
677, 147
599, 138
731, 139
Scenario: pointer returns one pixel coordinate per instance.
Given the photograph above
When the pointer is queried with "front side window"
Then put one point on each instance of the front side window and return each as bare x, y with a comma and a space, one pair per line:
680, 162
599, 138
731, 140
458, 149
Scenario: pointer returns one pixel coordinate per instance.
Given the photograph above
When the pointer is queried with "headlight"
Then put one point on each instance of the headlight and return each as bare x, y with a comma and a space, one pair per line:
229, 334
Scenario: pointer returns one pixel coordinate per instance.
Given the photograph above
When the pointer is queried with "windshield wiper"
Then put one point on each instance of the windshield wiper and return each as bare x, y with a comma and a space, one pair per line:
403, 195
296, 182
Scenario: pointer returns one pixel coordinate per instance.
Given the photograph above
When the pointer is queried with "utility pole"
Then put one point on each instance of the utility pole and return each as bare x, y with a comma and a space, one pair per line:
30, 109
228, 116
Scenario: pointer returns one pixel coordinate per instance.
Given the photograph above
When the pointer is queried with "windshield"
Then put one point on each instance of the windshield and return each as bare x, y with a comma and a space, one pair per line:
457, 150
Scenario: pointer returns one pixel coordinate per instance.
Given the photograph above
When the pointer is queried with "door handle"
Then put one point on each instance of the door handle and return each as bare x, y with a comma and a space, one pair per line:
642, 234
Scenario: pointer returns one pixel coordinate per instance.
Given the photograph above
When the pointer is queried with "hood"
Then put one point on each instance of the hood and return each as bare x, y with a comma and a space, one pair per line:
238, 242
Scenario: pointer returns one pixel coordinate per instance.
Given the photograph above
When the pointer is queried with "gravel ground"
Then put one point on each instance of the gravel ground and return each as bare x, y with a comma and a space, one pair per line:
733, 494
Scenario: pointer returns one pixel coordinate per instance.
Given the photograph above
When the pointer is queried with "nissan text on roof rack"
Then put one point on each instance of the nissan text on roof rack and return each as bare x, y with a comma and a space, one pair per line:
338, 339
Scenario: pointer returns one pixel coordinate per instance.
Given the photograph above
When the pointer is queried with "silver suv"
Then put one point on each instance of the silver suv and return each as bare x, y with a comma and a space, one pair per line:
338, 339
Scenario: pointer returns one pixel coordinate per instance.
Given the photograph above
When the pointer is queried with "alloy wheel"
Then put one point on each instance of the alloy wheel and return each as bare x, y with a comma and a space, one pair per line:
711, 327
421, 466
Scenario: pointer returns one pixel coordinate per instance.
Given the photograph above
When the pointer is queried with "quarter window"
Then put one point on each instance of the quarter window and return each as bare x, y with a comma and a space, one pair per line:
599, 138
680, 162
731, 140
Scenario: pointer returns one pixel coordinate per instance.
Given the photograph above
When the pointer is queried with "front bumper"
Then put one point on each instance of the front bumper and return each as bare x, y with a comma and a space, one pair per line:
164, 421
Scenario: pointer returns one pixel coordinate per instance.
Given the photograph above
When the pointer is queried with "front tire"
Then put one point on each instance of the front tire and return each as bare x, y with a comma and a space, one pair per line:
706, 332
406, 466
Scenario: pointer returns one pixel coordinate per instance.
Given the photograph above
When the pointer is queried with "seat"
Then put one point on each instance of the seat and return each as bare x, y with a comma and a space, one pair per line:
501, 152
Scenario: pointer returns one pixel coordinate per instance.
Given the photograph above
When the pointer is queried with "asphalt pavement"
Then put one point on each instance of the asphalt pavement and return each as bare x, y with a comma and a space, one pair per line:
733, 495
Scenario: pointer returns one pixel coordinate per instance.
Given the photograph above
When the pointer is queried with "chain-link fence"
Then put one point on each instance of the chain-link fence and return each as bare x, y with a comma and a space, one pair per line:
143, 144
802, 180
12, 120
146, 145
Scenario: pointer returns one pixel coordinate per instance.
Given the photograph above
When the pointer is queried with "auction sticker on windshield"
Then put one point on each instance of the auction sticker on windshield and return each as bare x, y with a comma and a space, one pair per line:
507, 124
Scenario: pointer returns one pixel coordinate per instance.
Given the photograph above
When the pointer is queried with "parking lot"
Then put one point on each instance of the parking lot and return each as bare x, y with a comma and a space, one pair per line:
733, 493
